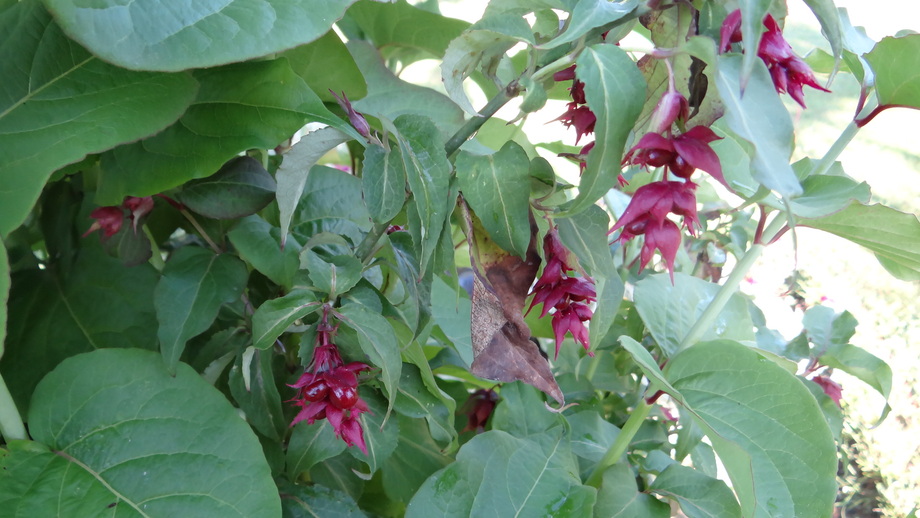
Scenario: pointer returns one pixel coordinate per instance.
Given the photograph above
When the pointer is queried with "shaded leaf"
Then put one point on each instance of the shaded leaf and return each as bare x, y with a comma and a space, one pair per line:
522, 411
451, 312
892, 235
497, 188
309, 445
274, 316
335, 276
251, 105
792, 452
328, 207
670, 310
416, 457
128, 433
99, 304
502, 349
311, 501
760, 118
258, 243
44, 126
194, 285
195, 35
241, 187
294, 171
384, 180
615, 91
325, 64
380, 432
378, 341
619, 496
4, 294
699, 495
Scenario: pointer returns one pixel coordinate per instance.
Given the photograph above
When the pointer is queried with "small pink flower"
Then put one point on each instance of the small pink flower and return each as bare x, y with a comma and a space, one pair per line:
830, 387
356, 119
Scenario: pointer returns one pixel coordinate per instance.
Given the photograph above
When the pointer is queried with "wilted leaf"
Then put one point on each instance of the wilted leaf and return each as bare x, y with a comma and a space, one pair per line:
502, 349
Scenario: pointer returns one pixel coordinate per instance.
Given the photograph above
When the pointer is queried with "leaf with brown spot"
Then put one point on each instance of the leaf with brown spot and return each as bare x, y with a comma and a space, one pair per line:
502, 349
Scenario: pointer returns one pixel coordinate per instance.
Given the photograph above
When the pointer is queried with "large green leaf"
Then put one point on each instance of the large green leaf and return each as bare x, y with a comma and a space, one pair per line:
895, 62
752, 28
326, 64
497, 474
258, 243
388, 96
59, 103
129, 439
892, 235
311, 444
522, 411
137, 35
4, 294
314, 500
330, 204
752, 403
699, 495
615, 91
405, 31
416, 457
384, 180
759, 118
589, 14
274, 316
497, 187
251, 105
195, 284
53, 316
428, 173
670, 310
619, 496
257, 395
240, 188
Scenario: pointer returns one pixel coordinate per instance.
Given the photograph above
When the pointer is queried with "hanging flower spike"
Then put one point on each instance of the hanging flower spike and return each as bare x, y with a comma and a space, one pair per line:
576, 114
138, 207
567, 296
328, 389
789, 73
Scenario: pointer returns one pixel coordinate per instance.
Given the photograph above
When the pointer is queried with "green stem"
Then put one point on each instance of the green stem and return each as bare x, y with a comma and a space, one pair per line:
618, 448
156, 258
836, 148
472, 126
11, 427
365, 249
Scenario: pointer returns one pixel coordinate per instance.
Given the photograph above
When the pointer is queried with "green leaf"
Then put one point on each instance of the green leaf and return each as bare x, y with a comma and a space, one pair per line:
485, 44
752, 28
592, 436
589, 14
380, 432
274, 316
619, 496
259, 399
670, 310
451, 312
378, 341
335, 276
497, 474
699, 495
647, 364
892, 235
615, 91
137, 35
384, 179
497, 187
326, 64
329, 204
416, 457
311, 444
314, 500
792, 452
294, 171
416, 398
405, 31
388, 96
825, 195
195, 284
428, 172
53, 316
251, 105
45, 125
522, 411
760, 118
585, 235
130, 434
258, 243
895, 62
4, 294
240, 187
827, 15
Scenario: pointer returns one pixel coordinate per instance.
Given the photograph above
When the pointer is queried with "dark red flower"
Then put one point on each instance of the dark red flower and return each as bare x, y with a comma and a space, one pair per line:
579, 116
830, 387
788, 71
108, 219
478, 408
647, 213
682, 154
138, 207
567, 296
671, 107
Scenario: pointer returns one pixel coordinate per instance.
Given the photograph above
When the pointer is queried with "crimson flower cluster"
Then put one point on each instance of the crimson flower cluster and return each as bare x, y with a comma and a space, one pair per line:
788, 71
328, 389
577, 113
568, 296
110, 218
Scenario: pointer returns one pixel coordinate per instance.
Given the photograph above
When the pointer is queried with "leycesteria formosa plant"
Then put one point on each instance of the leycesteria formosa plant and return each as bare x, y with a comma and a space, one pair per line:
254, 265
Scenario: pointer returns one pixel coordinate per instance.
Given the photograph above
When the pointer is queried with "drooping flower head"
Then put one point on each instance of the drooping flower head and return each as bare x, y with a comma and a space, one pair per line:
478, 408
106, 218
788, 71
681, 155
